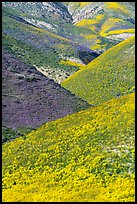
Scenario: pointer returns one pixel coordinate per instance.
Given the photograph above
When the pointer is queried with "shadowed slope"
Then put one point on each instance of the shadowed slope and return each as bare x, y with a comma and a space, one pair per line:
30, 99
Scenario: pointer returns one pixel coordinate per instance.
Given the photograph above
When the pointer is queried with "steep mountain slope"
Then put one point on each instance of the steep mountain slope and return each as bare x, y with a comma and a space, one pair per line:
96, 25
86, 156
30, 99
51, 23
55, 10
110, 75
82, 10
109, 22
43, 49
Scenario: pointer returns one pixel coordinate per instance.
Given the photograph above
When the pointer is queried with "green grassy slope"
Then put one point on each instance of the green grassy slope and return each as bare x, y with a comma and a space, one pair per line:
108, 76
86, 156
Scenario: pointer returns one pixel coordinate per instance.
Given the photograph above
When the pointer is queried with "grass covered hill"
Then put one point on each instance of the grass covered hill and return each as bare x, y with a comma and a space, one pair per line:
30, 99
86, 156
110, 75
68, 102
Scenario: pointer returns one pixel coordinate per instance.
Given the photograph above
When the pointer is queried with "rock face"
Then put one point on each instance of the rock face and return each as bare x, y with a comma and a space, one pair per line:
96, 25
87, 11
94, 8
30, 99
56, 10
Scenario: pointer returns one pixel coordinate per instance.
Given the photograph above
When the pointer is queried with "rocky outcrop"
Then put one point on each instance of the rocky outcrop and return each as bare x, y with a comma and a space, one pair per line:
87, 11
93, 8
56, 10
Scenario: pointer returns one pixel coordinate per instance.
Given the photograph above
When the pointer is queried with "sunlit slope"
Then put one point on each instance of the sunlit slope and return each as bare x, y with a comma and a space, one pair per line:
86, 156
108, 76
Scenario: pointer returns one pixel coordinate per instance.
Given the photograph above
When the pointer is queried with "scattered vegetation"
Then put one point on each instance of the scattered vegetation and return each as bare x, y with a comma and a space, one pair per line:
117, 7
108, 24
116, 32
77, 5
73, 63
112, 17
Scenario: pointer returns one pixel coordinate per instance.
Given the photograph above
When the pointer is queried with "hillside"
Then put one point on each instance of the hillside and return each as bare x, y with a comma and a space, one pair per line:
30, 99
68, 102
96, 25
109, 22
85, 10
86, 156
59, 38
40, 15
54, 10
110, 75
42, 49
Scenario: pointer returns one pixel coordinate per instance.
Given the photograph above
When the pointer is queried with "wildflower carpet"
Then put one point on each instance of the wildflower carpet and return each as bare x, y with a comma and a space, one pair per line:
86, 156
